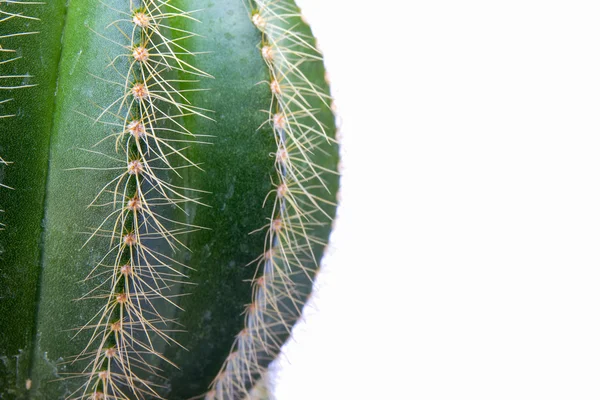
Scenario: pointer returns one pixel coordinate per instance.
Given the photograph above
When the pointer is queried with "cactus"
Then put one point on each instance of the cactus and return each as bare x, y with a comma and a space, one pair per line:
170, 193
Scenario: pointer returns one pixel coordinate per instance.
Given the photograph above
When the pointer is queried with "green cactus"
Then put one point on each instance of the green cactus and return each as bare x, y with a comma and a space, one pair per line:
168, 193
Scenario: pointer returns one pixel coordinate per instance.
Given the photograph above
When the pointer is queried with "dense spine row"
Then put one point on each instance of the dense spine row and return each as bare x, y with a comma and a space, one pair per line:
288, 265
136, 276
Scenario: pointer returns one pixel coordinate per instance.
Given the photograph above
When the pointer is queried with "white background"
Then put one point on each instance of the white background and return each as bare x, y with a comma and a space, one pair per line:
465, 263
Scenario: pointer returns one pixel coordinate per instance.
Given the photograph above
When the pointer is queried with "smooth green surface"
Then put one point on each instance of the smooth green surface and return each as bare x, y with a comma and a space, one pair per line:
67, 219
238, 168
237, 171
24, 141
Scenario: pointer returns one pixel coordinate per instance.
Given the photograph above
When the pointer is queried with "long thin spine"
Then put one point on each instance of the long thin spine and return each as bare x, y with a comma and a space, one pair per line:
288, 261
150, 138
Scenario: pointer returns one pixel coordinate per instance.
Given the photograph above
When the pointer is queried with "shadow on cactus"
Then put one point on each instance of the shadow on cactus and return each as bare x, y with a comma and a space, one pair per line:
174, 183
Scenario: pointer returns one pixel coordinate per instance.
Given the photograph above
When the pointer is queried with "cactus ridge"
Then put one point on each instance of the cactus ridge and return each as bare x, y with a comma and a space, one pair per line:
150, 137
288, 263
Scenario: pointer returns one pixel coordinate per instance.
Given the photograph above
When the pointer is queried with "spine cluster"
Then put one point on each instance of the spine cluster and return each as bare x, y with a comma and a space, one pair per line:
289, 261
136, 278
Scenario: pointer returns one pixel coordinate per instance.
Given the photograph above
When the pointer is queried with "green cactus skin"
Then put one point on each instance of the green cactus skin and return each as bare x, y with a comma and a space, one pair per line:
161, 239
24, 142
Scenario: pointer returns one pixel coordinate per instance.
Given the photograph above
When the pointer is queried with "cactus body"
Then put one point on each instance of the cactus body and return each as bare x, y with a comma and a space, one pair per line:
174, 186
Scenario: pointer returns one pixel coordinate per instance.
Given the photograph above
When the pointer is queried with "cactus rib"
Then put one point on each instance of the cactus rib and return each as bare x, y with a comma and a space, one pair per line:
288, 261
149, 137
